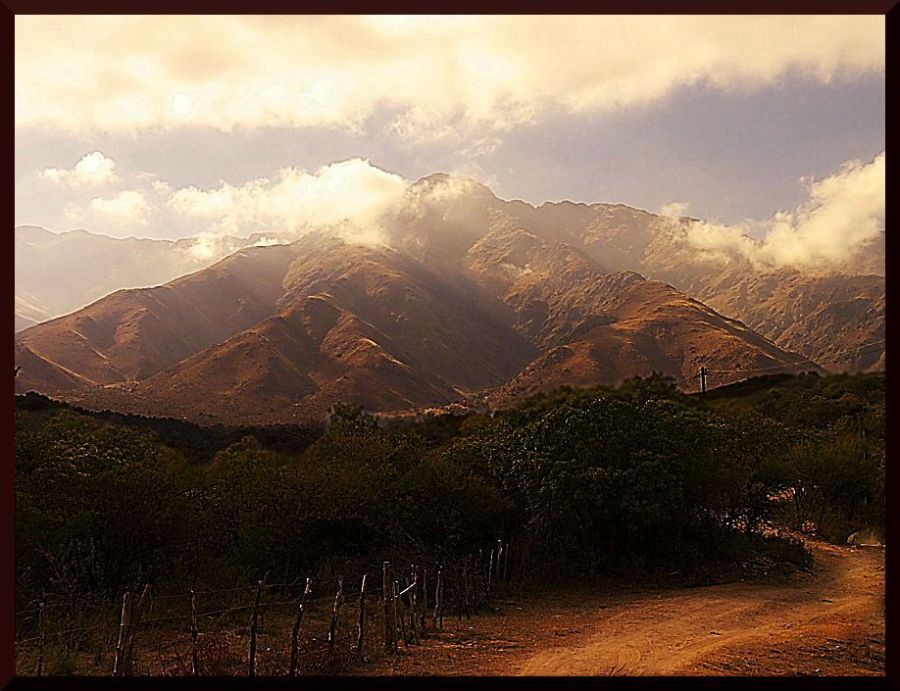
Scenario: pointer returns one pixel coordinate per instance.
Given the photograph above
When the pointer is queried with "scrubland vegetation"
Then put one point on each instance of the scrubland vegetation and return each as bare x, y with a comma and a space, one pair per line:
579, 482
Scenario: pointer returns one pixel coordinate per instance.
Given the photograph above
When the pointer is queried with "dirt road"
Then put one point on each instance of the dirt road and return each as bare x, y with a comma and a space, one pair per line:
830, 622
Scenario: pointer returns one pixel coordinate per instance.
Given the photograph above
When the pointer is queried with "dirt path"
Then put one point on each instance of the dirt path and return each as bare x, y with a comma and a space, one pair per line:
830, 622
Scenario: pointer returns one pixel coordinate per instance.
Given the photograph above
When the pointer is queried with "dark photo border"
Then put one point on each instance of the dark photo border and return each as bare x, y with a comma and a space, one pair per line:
11, 8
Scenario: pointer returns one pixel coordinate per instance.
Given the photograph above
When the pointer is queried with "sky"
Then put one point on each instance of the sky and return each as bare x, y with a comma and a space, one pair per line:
172, 126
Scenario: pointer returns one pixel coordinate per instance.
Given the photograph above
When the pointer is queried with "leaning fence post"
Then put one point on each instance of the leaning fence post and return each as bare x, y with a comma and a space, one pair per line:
133, 629
254, 617
125, 620
298, 623
490, 574
195, 661
361, 624
398, 619
338, 598
41, 638
438, 614
390, 630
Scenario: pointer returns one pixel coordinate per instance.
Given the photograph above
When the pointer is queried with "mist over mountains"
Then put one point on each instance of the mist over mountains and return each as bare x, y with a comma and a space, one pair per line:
57, 273
448, 295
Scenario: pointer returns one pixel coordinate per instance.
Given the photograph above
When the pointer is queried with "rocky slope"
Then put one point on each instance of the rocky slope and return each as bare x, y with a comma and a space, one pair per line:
282, 333
60, 272
468, 298
826, 315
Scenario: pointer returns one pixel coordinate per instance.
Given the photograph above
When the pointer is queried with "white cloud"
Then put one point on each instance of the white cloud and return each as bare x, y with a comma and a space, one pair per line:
842, 214
128, 207
439, 74
351, 195
674, 209
442, 188
266, 241
92, 169
209, 246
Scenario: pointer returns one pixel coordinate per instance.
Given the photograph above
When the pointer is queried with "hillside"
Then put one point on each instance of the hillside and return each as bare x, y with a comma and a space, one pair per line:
816, 313
57, 273
282, 333
836, 319
133, 334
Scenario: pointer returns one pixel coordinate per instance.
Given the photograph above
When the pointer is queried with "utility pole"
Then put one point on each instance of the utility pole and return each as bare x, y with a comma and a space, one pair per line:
703, 372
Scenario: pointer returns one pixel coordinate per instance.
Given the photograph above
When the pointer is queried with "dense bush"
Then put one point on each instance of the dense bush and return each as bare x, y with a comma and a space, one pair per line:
95, 506
629, 479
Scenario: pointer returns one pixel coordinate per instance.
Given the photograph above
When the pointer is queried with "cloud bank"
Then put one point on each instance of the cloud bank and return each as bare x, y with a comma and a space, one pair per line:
437, 75
841, 214
347, 198
351, 195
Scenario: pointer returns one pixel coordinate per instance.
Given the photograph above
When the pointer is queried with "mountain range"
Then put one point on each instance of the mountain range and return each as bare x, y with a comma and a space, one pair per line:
57, 273
464, 299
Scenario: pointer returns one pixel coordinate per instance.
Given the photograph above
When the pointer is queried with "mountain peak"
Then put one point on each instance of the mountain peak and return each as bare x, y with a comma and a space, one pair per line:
451, 185
469, 295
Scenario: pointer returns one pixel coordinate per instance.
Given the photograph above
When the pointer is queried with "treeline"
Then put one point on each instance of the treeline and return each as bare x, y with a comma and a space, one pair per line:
197, 443
579, 481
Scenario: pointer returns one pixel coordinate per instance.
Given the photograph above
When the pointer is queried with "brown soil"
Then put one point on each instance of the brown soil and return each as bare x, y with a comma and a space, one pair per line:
829, 622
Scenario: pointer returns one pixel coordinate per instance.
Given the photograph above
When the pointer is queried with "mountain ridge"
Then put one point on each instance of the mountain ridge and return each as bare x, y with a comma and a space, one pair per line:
335, 322
466, 297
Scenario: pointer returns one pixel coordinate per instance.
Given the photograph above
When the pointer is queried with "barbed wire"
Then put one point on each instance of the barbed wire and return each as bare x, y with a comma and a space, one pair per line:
186, 616
48, 634
211, 613
155, 598
223, 590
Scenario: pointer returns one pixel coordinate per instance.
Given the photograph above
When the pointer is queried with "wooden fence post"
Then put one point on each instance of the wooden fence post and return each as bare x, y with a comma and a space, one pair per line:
298, 624
134, 624
361, 624
476, 588
397, 618
465, 587
490, 574
410, 599
338, 598
125, 620
459, 591
390, 629
41, 639
438, 615
195, 633
471, 598
505, 560
254, 618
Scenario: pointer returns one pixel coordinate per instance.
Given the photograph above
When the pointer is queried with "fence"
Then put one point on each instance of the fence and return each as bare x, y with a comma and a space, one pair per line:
261, 629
